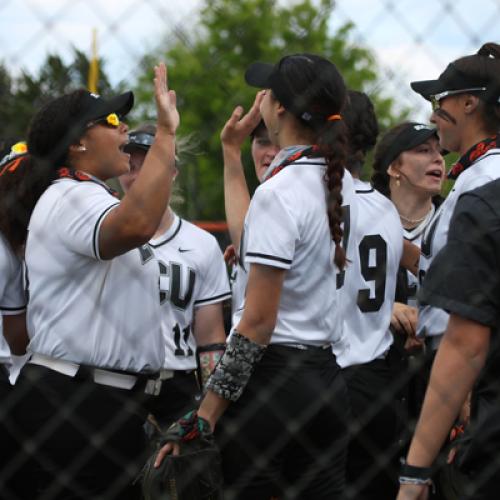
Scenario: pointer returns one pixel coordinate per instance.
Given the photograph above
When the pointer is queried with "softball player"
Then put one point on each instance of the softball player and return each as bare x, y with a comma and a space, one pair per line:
374, 249
465, 112
193, 286
409, 169
284, 399
12, 308
15, 194
94, 312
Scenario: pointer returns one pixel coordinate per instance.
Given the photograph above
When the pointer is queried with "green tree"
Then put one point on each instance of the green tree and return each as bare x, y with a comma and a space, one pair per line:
20, 97
7, 112
207, 66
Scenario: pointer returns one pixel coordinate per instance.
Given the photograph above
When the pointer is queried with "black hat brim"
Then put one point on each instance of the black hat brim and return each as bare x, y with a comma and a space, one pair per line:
420, 137
428, 88
120, 104
258, 75
407, 139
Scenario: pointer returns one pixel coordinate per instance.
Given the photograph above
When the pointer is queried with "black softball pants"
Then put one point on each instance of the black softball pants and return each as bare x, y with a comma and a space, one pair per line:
287, 436
81, 440
375, 390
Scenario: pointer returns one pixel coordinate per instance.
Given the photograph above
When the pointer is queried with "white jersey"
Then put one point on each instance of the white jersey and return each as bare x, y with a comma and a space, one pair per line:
239, 280
374, 253
287, 227
414, 236
103, 313
12, 294
433, 321
192, 275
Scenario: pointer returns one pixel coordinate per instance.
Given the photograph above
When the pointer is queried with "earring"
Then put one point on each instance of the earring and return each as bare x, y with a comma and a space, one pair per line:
397, 180
82, 148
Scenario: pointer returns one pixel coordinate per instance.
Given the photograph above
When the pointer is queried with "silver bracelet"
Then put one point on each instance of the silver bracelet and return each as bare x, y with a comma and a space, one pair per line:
235, 367
414, 480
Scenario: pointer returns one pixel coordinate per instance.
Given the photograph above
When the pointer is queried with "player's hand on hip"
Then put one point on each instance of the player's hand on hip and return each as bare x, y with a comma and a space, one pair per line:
240, 126
166, 101
413, 492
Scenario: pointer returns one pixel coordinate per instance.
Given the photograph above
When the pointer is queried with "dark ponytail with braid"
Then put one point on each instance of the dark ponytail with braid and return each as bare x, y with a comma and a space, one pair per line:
317, 97
332, 143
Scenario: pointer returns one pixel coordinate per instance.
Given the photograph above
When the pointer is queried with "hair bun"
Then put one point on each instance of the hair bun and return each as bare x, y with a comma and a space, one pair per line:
490, 49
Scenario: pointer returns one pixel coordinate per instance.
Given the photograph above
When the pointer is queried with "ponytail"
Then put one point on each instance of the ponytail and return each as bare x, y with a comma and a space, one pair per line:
484, 66
22, 182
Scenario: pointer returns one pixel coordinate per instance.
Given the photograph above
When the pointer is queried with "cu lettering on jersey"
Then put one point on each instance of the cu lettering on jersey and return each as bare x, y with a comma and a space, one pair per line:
176, 284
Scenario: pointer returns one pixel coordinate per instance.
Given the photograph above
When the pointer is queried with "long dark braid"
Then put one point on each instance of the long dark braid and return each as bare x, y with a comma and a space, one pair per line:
333, 147
319, 97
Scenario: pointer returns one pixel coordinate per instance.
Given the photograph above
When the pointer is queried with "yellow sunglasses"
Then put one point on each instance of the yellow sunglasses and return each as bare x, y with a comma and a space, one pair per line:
112, 120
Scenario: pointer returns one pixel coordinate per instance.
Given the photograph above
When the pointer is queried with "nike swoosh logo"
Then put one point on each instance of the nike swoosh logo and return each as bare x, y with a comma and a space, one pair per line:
182, 250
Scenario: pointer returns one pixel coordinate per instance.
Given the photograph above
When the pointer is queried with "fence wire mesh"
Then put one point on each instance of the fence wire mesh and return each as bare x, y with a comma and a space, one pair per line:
85, 413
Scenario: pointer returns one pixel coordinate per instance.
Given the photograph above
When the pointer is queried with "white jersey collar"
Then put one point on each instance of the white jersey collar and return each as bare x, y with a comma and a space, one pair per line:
169, 234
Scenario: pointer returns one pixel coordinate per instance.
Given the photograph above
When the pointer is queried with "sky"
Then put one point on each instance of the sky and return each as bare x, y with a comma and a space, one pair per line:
411, 39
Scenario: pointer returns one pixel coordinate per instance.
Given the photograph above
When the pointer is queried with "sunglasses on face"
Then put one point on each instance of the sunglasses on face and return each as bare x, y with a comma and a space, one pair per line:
437, 98
112, 120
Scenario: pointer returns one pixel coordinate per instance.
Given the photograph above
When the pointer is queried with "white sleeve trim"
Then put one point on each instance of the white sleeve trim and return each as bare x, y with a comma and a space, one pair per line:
213, 300
12, 311
268, 260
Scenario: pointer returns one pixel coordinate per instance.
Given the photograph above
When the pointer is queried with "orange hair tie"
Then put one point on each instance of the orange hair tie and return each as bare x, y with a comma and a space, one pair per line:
11, 166
333, 118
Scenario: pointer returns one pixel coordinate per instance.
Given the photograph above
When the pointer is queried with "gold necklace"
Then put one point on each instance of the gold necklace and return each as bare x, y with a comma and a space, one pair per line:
412, 221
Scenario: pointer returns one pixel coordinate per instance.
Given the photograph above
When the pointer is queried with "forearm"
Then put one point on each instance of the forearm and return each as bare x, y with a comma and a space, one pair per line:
148, 198
212, 408
411, 257
236, 195
456, 367
134, 221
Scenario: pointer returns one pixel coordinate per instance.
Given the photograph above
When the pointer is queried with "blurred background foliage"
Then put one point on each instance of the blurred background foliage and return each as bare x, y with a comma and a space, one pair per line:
206, 64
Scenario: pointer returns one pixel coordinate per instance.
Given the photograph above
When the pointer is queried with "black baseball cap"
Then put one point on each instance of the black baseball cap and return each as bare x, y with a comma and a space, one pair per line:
141, 138
451, 79
270, 76
67, 117
94, 106
411, 136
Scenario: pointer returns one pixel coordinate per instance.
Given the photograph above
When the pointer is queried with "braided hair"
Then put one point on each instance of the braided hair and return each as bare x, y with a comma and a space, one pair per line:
319, 95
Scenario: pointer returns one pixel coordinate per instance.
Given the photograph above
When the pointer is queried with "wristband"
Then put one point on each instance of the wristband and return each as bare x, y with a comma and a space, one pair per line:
421, 476
233, 372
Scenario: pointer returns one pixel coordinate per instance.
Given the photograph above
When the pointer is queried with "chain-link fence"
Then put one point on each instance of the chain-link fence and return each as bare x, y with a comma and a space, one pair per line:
110, 367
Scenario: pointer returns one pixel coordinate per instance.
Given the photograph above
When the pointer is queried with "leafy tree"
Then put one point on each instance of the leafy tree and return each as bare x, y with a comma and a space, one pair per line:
20, 97
207, 66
